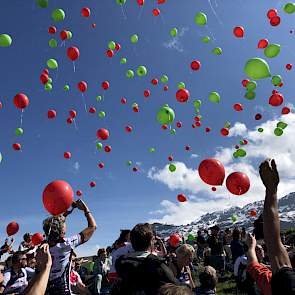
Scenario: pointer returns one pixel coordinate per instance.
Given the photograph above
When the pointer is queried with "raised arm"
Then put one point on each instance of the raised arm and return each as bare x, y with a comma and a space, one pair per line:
87, 232
271, 222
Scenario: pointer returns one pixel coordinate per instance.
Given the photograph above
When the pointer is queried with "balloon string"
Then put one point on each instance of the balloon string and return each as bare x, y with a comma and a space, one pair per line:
74, 66
210, 33
85, 107
75, 124
214, 12
123, 12
140, 13
21, 118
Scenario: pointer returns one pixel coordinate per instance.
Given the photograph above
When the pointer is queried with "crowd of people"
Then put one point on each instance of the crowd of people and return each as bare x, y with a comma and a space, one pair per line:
142, 263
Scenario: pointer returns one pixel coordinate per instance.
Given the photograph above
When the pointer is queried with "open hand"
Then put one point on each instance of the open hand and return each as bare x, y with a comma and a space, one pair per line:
81, 205
43, 257
251, 242
269, 174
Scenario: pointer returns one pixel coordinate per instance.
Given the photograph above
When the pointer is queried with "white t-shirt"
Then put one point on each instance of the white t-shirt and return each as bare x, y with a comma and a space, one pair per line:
242, 259
119, 252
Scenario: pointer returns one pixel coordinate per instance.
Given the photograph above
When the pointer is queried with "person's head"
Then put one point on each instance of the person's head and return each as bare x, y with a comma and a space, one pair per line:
227, 231
32, 262
185, 254
236, 234
55, 228
199, 232
102, 254
243, 230
215, 230
141, 237
124, 236
170, 289
27, 237
19, 260
259, 253
283, 281
108, 250
208, 278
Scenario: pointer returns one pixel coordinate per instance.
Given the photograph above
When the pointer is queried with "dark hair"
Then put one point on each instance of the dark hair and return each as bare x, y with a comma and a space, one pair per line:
170, 289
208, 278
101, 251
141, 236
16, 257
123, 236
26, 236
236, 234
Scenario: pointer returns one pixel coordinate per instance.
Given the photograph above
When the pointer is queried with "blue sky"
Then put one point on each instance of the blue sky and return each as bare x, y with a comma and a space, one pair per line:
123, 198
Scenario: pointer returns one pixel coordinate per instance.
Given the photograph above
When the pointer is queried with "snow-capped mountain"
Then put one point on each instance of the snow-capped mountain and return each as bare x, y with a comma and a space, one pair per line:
224, 218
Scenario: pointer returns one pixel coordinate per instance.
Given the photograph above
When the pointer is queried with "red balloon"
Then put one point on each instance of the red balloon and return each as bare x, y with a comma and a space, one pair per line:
105, 85
285, 111
73, 114
21, 101
253, 213
237, 146
123, 100
140, 2
45, 71
37, 239
170, 158
52, 30
101, 165
182, 95
1, 105
187, 147
69, 120
174, 240
263, 43
207, 129
146, 93
239, 32
107, 149
63, 35
272, 13
79, 193
161, 1
197, 118
276, 99
135, 109
224, 131
102, 134
17, 146
164, 127
258, 117
92, 110
135, 169
212, 172
109, 53
178, 124
156, 12
214, 189
73, 53
92, 184
181, 198
289, 67
238, 107
128, 128
44, 78
57, 197
275, 21
238, 183
12, 228
195, 65
155, 81
198, 124
93, 25
67, 155
51, 114
165, 88
82, 86
118, 47
85, 12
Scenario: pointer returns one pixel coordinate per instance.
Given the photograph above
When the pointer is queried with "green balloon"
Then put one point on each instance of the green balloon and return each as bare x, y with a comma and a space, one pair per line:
234, 218
52, 64
173, 32
101, 114
214, 97
58, 15
5, 40
123, 60
235, 155
99, 145
152, 150
197, 103
19, 131
121, 2
206, 39
165, 115
129, 163
250, 95
112, 45
66, 88
98, 98
164, 79
272, 50
141, 71
282, 125
1, 157
251, 85
173, 131
181, 85
201, 19
241, 153
172, 168
129, 74
257, 68
278, 132
260, 130
289, 7
217, 51
52, 43
42, 3
69, 35
190, 237
49, 81
48, 87
227, 125
134, 39
276, 80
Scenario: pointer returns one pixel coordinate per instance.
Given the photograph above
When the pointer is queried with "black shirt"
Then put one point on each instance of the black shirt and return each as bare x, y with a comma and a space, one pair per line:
215, 245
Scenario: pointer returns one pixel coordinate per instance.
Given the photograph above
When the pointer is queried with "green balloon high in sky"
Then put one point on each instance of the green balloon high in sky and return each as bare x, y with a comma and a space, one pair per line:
5, 40
257, 68
58, 15
165, 115
201, 19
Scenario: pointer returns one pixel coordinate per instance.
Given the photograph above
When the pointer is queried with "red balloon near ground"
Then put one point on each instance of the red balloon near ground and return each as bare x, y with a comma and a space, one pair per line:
195, 65
289, 67
79, 193
263, 43
17, 146
44, 78
224, 131
51, 114
105, 85
63, 35
182, 95
272, 13
181, 198
154, 81
238, 107
238, 183
102, 134
109, 53
174, 240
73, 114
285, 111
21, 101
52, 30
57, 197
107, 149
212, 172
156, 12
239, 32
82, 86
67, 155
73, 53
253, 213
276, 99
85, 12
275, 21
92, 184
12, 228
37, 239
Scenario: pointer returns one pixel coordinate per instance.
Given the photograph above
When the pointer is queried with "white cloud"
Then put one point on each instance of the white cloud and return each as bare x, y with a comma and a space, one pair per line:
261, 146
174, 43
239, 129
194, 156
76, 167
